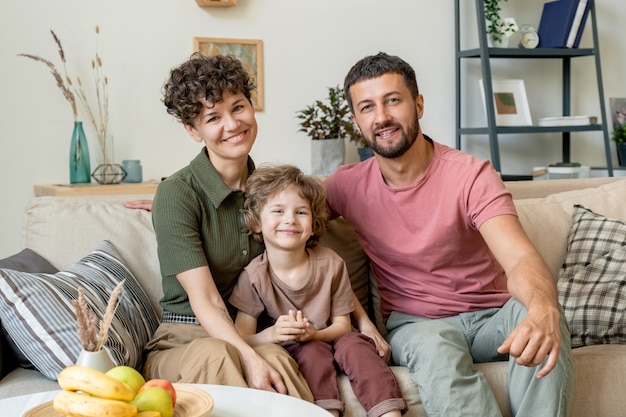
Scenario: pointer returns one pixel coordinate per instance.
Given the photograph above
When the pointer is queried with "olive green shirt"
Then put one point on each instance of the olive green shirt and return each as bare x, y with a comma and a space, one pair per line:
197, 220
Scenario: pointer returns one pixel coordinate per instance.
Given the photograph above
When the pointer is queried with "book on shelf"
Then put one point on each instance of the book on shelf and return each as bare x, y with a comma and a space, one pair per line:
578, 17
582, 24
557, 20
568, 121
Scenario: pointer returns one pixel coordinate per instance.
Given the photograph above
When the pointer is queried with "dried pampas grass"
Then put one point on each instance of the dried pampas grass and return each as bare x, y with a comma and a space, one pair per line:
93, 335
65, 85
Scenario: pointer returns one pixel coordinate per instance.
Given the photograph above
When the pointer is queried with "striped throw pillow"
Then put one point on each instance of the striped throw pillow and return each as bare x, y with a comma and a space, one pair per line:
37, 313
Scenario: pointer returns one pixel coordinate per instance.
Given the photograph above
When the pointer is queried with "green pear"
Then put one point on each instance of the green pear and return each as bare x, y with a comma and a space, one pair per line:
128, 376
154, 399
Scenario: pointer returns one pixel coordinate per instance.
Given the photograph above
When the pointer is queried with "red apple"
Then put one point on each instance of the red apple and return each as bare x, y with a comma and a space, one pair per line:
161, 383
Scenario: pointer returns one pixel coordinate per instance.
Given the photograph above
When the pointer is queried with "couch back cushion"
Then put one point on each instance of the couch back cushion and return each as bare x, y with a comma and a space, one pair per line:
547, 220
65, 229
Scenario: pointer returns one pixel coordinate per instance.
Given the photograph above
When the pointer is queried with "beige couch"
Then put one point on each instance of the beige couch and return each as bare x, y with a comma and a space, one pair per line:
65, 229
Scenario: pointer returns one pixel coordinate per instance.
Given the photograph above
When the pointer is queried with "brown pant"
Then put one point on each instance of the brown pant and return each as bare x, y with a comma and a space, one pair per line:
186, 353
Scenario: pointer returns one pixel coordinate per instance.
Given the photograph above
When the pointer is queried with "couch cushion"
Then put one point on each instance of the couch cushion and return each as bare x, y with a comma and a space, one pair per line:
547, 220
592, 281
37, 312
341, 238
56, 228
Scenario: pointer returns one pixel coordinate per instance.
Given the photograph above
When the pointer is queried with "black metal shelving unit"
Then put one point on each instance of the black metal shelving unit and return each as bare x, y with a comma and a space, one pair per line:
485, 54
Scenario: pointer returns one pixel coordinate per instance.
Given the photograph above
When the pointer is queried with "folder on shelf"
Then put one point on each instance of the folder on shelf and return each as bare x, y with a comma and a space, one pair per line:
556, 22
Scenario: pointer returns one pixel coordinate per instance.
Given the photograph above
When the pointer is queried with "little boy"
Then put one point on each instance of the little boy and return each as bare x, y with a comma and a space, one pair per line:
296, 280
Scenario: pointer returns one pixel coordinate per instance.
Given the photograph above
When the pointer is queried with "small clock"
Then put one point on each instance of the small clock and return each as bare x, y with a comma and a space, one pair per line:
530, 37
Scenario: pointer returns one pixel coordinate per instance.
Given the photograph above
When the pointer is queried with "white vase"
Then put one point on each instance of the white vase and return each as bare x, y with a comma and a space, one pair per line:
100, 360
326, 156
509, 38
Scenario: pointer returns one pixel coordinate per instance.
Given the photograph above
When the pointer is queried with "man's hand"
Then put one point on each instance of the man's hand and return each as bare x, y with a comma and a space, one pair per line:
382, 347
536, 337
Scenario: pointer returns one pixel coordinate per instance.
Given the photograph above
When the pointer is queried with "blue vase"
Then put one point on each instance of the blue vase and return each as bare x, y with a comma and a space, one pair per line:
80, 167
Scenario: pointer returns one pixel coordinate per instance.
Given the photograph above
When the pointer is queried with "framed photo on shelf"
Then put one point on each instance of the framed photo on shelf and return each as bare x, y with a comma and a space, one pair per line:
248, 51
510, 102
618, 111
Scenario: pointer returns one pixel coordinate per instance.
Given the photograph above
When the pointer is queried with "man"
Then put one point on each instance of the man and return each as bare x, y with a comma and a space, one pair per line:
459, 280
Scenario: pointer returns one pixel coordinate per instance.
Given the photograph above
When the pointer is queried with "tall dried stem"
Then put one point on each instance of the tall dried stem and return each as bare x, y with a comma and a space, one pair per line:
99, 117
65, 85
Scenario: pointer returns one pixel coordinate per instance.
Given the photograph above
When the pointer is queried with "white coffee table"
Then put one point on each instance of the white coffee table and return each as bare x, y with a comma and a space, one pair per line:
229, 402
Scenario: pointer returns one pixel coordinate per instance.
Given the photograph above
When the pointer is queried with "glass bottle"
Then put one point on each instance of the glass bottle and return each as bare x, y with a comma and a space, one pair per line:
80, 166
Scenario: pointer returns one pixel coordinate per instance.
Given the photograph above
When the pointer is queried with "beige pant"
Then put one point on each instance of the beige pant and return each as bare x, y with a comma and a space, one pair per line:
186, 353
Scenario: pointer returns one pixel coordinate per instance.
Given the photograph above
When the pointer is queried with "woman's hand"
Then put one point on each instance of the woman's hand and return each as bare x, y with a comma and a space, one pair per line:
260, 374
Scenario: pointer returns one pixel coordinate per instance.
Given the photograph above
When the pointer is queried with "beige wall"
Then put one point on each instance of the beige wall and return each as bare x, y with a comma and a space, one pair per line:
307, 47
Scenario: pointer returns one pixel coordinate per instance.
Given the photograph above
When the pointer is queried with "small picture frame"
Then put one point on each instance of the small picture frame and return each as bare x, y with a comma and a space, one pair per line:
618, 111
248, 51
510, 102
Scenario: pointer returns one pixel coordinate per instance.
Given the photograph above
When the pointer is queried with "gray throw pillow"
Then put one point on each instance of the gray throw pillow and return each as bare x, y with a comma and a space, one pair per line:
37, 312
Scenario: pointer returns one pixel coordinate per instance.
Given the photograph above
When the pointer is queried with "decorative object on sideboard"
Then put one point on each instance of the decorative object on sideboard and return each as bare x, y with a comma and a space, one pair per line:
80, 166
79, 163
498, 28
133, 170
248, 51
327, 123
107, 172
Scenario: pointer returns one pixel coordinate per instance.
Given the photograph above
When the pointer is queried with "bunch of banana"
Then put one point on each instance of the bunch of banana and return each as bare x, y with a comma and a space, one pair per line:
90, 393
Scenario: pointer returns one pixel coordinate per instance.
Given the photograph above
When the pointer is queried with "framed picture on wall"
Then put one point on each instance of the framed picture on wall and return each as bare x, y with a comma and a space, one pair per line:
510, 102
248, 51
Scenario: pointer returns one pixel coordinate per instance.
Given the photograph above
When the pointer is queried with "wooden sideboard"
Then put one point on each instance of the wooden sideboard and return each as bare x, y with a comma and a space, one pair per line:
70, 190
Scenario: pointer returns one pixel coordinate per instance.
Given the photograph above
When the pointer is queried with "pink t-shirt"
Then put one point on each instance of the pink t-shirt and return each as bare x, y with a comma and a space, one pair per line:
423, 240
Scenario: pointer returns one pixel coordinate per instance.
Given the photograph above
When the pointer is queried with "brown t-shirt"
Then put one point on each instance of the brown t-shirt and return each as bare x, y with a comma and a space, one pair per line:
326, 293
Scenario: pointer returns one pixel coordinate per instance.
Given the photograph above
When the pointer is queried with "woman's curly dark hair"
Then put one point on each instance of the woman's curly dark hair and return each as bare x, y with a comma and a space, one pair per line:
208, 77
267, 181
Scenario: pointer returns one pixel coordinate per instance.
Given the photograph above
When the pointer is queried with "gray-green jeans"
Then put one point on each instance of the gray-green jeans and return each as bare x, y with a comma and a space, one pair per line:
440, 355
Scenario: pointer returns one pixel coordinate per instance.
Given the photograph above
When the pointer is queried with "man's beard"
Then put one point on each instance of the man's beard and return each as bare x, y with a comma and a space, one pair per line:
406, 141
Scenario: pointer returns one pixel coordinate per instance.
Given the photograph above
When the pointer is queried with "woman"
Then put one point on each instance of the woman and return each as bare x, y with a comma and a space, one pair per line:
202, 245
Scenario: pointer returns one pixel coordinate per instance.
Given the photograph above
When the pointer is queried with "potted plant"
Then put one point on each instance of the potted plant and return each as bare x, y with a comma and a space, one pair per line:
619, 137
327, 122
498, 29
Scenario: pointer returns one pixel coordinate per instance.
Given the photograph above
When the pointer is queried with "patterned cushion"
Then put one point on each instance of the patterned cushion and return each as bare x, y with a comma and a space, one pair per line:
37, 312
26, 260
592, 280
